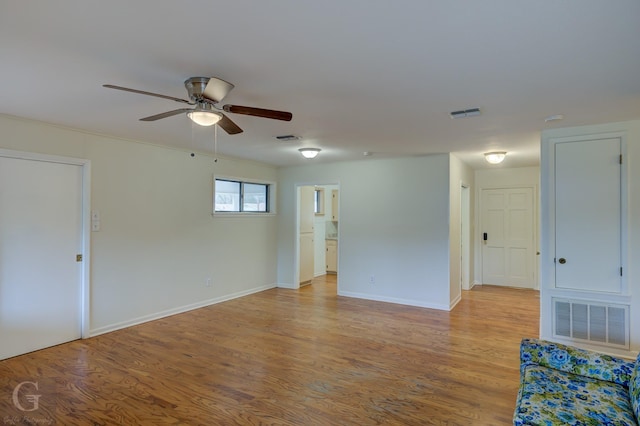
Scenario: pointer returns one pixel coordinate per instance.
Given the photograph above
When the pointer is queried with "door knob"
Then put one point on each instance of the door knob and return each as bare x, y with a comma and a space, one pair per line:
562, 260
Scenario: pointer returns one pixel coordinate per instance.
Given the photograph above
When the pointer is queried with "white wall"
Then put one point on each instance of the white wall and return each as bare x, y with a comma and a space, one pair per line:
504, 178
632, 267
394, 225
159, 241
460, 174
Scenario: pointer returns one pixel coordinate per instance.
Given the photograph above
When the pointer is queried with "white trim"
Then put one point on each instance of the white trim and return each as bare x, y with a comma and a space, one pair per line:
408, 302
85, 286
289, 286
178, 310
455, 301
465, 257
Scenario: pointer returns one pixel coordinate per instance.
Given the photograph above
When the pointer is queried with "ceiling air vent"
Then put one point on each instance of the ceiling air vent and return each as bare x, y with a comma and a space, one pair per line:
465, 113
288, 138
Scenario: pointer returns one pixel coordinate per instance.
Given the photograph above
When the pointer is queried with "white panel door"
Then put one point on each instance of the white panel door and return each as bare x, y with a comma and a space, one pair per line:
508, 250
588, 215
40, 236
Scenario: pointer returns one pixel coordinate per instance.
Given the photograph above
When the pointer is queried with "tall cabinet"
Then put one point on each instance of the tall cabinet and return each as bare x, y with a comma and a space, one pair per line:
306, 234
332, 243
586, 296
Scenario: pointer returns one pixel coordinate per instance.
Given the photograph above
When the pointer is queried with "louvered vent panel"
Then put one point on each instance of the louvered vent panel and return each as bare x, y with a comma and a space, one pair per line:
617, 325
580, 317
595, 322
563, 319
598, 323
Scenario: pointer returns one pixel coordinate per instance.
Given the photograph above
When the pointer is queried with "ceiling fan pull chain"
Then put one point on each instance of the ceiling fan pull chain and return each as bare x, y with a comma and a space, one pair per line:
215, 143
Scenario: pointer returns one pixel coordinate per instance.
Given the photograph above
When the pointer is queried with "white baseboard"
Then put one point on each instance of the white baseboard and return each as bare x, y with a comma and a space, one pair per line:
455, 302
288, 285
174, 311
394, 300
475, 283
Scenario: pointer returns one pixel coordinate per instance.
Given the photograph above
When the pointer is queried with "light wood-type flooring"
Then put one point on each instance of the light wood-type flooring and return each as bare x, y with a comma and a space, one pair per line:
289, 357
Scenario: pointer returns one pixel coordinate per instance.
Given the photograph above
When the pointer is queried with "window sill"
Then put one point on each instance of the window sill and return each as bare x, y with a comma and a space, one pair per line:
243, 214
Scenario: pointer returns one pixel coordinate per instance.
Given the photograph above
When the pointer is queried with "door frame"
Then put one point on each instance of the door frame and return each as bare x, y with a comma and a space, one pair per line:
465, 237
85, 274
536, 227
296, 250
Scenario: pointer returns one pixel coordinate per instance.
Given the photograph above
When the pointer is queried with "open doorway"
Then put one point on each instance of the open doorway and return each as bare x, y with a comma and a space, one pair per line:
318, 233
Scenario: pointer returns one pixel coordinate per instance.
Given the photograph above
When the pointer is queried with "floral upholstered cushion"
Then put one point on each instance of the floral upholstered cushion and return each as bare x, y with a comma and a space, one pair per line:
553, 397
575, 360
634, 389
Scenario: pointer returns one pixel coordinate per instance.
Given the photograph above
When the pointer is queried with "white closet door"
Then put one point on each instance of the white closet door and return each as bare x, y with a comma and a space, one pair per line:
588, 215
40, 236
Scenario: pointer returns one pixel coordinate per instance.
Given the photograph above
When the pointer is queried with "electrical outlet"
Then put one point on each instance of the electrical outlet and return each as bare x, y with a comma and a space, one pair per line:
207, 282
372, 279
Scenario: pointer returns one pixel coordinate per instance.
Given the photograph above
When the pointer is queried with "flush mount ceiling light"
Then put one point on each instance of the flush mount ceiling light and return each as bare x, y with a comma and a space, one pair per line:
495, 157
309, 152
204, 117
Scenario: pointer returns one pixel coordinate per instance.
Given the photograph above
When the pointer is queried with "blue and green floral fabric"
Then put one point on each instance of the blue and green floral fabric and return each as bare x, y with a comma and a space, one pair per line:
555, 397
634, 389
564, 385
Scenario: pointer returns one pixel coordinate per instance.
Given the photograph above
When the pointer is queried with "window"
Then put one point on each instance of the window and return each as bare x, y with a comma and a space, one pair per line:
318, 201
236, 196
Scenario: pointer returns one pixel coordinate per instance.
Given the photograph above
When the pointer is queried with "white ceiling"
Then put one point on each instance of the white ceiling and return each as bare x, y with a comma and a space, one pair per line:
358, 75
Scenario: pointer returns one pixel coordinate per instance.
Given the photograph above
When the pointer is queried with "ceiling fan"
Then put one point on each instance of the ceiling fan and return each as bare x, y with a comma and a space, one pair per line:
205, 93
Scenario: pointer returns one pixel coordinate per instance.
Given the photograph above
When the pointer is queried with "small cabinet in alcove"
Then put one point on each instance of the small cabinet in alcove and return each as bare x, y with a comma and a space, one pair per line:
332, 256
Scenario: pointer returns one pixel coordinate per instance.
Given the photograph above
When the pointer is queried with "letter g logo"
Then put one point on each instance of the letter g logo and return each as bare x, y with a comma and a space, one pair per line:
33, 399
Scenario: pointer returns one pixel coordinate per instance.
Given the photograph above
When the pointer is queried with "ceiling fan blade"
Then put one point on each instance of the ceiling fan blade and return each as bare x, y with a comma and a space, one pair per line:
216, 89
142, 92
259, 112
166, 114
229, 126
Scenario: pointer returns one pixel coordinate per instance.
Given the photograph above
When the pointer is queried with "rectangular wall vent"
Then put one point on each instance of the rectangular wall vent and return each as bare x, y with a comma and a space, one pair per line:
288, 138
593, 322
472, 112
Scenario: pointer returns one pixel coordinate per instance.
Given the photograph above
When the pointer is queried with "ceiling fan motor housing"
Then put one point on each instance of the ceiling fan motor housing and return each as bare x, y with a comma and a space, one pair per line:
207, 89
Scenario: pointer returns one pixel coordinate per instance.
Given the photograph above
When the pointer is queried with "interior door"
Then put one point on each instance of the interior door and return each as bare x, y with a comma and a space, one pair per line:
40, 236
507, 223
588, 215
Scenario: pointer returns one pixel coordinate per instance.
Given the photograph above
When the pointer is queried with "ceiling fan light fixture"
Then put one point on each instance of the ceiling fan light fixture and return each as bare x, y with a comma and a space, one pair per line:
309, 152
204, 118
495, 157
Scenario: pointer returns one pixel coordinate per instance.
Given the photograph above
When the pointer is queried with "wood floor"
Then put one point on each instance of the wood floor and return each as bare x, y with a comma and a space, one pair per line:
288, 357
